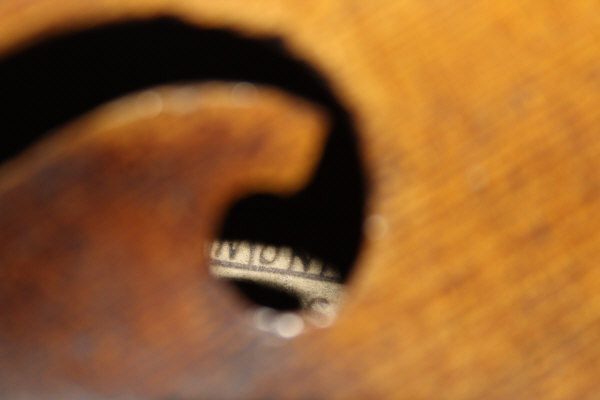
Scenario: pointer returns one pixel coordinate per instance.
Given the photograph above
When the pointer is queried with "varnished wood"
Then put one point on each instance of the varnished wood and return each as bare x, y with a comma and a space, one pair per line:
478, 124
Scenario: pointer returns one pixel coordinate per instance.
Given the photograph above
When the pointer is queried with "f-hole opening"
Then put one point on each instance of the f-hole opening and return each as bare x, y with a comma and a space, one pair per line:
49, 83
307, 242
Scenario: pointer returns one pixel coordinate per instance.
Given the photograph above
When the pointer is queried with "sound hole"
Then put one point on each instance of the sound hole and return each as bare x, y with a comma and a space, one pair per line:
319, 228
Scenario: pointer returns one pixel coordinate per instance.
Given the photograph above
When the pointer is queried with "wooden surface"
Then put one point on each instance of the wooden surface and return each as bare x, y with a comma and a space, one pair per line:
478, 124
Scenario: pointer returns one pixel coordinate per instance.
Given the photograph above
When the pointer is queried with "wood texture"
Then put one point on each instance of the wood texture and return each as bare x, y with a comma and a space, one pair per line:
479, 127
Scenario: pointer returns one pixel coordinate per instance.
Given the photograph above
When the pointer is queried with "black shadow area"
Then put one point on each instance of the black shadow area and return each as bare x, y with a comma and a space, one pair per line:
267, 296
46, 85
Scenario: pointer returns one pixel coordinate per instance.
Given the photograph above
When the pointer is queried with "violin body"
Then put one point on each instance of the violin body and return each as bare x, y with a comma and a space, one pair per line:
477, 130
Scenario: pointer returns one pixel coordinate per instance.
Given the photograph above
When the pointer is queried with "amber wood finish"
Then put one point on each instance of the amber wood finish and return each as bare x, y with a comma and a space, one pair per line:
479, 128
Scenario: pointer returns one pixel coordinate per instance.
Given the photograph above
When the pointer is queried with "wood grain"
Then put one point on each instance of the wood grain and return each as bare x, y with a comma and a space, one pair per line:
478, 124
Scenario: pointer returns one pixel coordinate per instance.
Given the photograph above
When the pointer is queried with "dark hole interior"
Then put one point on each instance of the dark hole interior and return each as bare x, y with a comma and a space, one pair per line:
267, 295
62, 77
